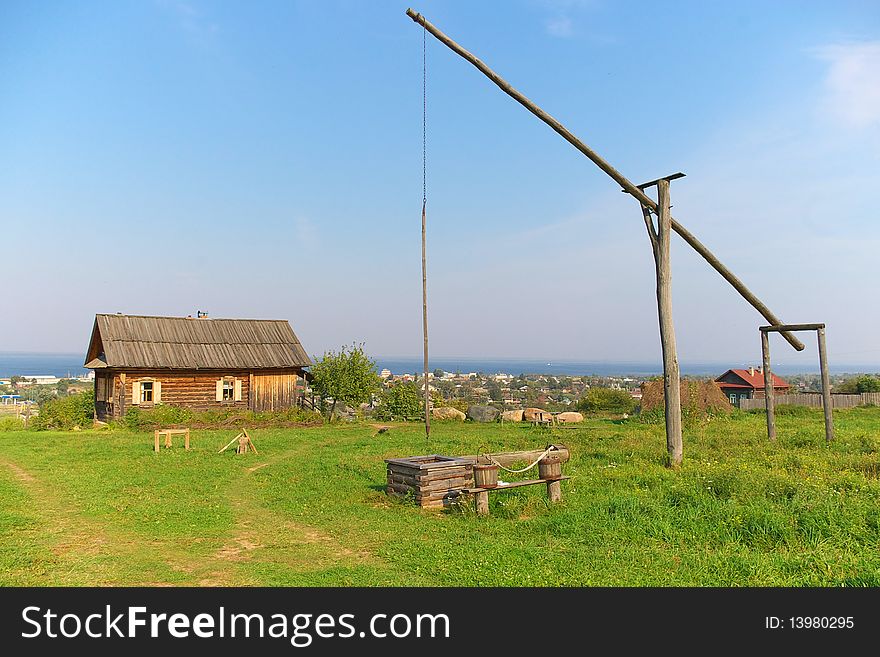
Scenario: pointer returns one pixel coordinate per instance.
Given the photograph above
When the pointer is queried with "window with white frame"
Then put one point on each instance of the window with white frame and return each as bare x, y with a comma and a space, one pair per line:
228, 389
147, 391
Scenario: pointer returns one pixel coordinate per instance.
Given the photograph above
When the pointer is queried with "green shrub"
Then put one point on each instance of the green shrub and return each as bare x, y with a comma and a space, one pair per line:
796, 411
656, 415
148, 419
166, 415
608, 400
67, 412
400, 401
11, 424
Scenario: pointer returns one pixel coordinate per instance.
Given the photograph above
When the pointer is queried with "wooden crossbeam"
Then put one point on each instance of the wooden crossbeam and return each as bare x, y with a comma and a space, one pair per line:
644, 186
790, 327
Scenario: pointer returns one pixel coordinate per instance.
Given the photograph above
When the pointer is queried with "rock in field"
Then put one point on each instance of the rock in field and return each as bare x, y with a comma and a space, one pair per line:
447, 413
569, 417
482, 413
532, 414
512, 416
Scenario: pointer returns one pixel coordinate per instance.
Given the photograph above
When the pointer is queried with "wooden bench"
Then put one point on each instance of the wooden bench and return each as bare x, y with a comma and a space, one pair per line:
481, 495
168, 433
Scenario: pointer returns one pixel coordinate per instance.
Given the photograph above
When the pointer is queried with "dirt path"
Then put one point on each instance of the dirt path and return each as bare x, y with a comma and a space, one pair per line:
268, 537
83, 551
86, 551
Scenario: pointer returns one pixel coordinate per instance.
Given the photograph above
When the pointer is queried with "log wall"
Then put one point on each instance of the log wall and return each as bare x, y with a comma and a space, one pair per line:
262, 390
274, 391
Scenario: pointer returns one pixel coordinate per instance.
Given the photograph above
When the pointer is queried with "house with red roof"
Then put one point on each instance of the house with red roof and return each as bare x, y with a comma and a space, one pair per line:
748, 384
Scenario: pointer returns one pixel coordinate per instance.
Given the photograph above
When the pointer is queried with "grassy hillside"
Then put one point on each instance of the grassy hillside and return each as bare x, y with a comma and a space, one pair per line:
99, 507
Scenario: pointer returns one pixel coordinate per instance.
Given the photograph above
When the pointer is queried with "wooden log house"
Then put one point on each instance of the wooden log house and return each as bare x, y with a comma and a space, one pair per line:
198, 363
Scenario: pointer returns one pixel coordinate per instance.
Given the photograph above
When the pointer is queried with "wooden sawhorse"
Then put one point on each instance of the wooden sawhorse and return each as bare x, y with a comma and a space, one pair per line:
168, 433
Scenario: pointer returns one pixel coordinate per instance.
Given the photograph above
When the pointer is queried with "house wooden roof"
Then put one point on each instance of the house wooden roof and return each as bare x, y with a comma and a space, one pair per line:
134, 341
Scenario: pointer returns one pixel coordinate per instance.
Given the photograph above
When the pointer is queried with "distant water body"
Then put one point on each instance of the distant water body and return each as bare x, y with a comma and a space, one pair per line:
71, 364
582, 368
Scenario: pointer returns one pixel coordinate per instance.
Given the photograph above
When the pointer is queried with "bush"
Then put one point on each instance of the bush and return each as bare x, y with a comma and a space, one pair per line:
149, 419
608, 400
795, 411
66, 412
400, 401
859, 384
166, 416
11, 424
457, 403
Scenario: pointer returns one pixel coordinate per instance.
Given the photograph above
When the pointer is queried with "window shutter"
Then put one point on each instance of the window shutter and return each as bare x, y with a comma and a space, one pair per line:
135, 393
157, 392
238, 390
219, 395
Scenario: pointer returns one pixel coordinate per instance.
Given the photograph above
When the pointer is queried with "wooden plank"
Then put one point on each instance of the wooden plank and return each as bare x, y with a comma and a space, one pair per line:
443, 484
827, 404
778, 328
769, 391
651, 183
430, 461
424, 481
511, 484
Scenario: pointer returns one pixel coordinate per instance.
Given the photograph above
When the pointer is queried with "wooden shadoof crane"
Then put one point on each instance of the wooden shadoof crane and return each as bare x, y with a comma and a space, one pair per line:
659, 234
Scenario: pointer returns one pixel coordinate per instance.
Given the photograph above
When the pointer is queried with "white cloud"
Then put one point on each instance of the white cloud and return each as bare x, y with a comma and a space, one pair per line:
560, 27
852, 84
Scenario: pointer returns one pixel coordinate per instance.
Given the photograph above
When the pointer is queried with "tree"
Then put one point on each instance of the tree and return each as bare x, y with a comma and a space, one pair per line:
860, 384
438, 373
611, 400
348, 376
401, 401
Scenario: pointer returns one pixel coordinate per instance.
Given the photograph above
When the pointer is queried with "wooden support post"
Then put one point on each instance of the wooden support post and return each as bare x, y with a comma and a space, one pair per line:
156, 436
826, 386
671, 375
167, 440
554, 491
425, 323
769, 402
481, 502
615, 175
186, 440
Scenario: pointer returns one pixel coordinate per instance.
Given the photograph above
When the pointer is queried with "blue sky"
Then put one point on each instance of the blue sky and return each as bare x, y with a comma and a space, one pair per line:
264, 160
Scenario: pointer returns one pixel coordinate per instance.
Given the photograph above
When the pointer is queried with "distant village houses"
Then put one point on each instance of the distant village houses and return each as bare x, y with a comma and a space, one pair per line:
739, 384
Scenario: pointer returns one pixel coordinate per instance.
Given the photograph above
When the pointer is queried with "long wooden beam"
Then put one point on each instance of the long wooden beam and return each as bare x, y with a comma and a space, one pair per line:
618, 177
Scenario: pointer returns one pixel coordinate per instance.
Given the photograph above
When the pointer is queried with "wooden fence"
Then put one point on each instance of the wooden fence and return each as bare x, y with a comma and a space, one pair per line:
814, 400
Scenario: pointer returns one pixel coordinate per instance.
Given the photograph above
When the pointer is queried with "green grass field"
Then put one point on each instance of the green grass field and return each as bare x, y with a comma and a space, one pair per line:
100, 508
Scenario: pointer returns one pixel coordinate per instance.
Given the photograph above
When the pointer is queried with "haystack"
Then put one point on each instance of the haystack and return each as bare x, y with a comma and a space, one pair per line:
702, 396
